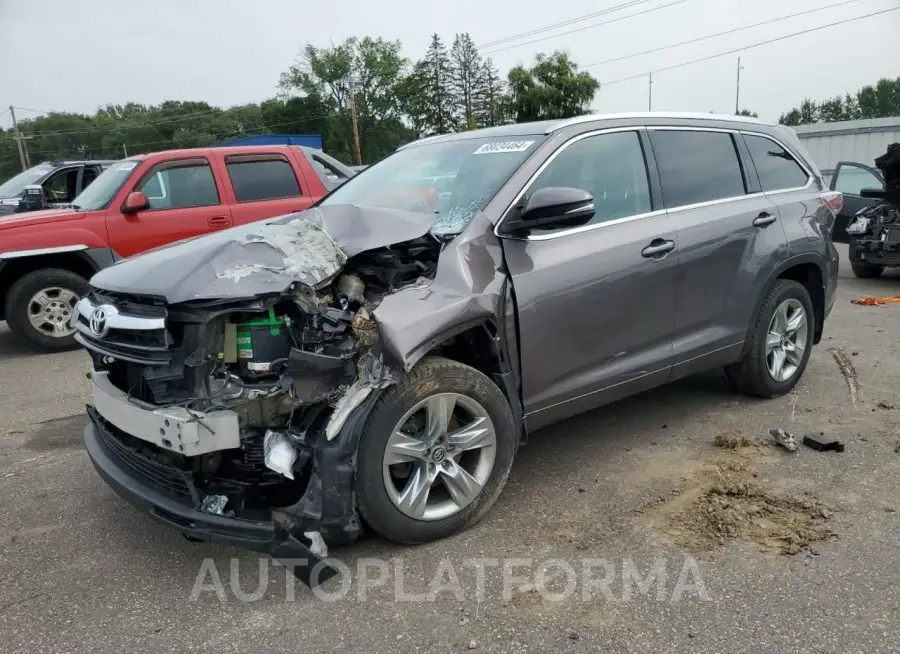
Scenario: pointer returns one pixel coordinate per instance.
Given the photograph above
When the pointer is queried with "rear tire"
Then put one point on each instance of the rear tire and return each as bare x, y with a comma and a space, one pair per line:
430, 379
40, 300
866, 270
753, 374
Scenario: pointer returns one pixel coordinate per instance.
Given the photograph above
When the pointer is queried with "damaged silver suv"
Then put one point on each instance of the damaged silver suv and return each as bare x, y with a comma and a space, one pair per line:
375, 361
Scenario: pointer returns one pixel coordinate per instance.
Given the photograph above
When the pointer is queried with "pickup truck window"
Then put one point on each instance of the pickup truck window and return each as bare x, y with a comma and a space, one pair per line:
103, 189
61, 187
190, 185
262, 179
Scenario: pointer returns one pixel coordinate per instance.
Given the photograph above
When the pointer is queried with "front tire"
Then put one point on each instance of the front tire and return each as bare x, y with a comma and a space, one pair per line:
39, 306
435, 452
866, 270
780, 342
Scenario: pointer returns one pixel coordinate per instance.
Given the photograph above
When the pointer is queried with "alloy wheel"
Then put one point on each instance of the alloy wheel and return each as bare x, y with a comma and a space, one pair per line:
439, 456
786, 340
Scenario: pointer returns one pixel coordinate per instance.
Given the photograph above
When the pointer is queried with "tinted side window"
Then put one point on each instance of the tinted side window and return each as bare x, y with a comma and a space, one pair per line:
776, 167
610, 167
262, 180
696, 166
61, 187
180, 188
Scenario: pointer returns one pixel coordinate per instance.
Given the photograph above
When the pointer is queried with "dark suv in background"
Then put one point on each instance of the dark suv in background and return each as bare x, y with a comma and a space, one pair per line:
378, 358
59, 182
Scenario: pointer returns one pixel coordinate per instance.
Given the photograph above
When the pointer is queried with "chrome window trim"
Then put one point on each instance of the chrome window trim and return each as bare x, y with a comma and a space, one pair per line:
810, 176
584, 228
686, 207
16, 254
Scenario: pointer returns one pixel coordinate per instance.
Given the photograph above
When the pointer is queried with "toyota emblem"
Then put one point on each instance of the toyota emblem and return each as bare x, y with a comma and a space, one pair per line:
98, 322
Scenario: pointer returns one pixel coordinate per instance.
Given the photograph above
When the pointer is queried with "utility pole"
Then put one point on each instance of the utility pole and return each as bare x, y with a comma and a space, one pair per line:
353, 120
125, 150
737, 94
650, 94
20, 141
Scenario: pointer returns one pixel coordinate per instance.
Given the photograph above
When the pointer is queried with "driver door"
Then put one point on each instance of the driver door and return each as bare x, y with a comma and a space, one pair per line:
596, 308
850, 178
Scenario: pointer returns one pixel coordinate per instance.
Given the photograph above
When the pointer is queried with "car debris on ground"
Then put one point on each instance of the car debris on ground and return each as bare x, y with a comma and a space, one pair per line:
784, 439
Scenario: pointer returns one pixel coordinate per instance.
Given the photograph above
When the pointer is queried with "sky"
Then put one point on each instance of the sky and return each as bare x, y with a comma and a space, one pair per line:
58, 55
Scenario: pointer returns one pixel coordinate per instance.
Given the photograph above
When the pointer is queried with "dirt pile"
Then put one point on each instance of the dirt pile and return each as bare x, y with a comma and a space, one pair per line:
751, 512
727, 501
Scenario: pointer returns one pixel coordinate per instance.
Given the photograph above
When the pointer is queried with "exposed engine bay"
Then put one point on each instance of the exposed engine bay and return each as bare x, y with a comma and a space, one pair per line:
229, 377
281, 368
876, 229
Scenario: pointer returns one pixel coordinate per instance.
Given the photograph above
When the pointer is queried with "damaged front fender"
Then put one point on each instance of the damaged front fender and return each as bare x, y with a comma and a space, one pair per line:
467, 290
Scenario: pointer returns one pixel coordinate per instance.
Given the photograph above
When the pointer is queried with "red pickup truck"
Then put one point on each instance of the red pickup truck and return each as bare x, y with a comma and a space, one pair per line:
140, 203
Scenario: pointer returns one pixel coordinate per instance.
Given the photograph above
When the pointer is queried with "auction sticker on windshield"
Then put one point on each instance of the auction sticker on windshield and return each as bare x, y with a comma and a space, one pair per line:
503, 146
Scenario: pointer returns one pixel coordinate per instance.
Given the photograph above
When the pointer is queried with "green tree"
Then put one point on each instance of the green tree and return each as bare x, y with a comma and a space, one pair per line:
747, 112
467, 79
879, 101
369, 70
552, 88
438, 92
489, 106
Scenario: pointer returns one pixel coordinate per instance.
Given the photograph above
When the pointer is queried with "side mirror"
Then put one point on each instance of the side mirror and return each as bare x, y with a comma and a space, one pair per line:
872, 193
33, 199
558, 206
136, 201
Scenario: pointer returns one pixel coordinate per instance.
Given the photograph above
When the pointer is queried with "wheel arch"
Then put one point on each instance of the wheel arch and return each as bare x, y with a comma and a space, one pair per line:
808, 270
12, 270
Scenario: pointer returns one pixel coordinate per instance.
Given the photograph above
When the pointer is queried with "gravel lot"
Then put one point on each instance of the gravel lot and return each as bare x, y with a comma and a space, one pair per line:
617, 491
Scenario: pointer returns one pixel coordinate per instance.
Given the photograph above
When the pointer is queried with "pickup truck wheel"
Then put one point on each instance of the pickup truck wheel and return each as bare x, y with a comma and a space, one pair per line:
780, 342
866, 270
434, 453
39, 306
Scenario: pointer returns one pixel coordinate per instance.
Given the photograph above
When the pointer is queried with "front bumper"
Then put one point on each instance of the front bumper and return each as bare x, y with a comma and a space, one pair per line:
883, 251
119, 472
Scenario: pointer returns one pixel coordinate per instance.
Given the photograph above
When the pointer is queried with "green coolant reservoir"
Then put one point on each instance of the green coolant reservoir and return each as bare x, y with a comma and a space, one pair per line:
261, 342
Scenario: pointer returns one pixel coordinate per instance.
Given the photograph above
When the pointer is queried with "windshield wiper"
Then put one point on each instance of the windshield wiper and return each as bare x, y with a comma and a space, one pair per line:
76, 207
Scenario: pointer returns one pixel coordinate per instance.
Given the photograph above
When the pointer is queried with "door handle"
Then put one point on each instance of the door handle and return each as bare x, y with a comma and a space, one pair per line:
764, 219
657, 246
217, 221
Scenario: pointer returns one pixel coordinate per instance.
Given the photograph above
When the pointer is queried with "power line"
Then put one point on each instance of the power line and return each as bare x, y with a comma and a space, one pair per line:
570, 21
717, 34
162, 121
752, 45
588, 27
220, 136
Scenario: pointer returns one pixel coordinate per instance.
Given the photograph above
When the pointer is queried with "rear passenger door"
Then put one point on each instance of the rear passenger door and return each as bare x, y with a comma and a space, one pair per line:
263, 186
596, 303
185, 201
729, 236
851, 178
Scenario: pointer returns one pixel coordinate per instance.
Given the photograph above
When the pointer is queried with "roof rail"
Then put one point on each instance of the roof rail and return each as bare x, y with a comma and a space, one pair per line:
587, 118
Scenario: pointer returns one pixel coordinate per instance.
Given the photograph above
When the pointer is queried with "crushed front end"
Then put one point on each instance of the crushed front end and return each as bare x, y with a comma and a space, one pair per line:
231, 414
875, 231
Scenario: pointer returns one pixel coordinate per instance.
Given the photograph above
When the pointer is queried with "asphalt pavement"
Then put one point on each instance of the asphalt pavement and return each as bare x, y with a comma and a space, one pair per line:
583, 552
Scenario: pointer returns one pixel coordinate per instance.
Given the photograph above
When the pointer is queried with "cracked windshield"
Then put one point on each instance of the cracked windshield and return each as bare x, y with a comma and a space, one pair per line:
454, 180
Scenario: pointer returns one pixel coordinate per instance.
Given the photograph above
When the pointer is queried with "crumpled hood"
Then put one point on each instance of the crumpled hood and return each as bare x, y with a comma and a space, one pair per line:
309, 247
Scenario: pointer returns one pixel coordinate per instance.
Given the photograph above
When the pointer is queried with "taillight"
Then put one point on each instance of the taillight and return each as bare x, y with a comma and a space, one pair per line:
834, 200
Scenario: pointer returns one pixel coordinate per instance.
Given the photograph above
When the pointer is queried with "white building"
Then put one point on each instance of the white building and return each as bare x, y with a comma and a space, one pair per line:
860, 141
